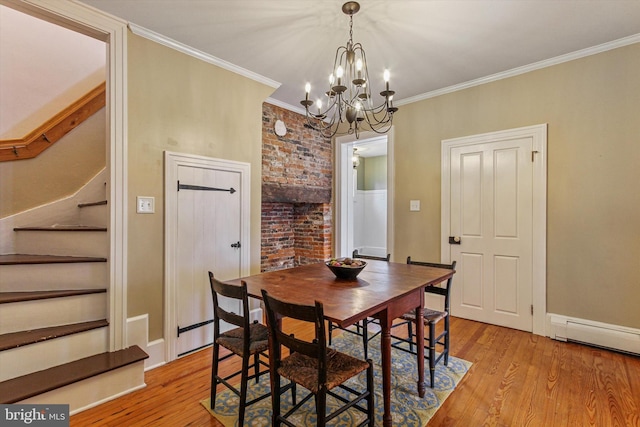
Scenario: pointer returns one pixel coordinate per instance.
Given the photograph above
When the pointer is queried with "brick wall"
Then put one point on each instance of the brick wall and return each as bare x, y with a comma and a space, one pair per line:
294, 233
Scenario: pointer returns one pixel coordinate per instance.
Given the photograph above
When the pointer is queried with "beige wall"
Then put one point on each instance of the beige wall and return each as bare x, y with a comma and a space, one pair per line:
57, 172
591, 106
181, 104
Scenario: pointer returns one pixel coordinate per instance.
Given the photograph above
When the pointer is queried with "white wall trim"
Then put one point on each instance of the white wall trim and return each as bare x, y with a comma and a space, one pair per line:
625, 41
566, 328
180, 47
172, 162
94, 23
538, 133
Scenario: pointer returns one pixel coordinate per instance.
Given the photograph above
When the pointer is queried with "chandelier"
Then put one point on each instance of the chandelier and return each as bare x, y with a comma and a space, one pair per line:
348, 98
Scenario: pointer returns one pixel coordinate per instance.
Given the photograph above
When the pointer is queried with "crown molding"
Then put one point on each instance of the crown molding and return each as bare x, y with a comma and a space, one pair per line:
524, 69
286, 106
166, 41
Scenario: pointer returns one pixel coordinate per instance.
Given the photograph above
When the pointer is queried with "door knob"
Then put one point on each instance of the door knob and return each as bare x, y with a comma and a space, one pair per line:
454, 240
235, 245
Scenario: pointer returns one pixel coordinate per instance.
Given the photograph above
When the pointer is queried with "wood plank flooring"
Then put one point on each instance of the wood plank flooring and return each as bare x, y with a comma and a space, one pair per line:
517, 379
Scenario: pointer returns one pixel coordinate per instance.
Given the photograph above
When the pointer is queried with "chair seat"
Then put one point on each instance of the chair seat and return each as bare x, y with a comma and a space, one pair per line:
304, 370
258, 339
429, 315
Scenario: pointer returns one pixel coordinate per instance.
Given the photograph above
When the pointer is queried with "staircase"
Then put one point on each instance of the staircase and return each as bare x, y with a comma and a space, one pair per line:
54, 331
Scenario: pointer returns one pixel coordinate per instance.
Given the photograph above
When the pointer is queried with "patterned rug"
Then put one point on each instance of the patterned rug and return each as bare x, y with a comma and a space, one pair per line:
408, 409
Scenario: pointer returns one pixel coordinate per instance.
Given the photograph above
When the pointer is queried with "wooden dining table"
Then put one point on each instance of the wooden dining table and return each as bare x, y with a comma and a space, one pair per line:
383, 290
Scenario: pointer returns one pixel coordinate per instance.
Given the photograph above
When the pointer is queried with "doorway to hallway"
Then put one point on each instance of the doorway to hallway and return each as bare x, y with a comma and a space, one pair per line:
364, 191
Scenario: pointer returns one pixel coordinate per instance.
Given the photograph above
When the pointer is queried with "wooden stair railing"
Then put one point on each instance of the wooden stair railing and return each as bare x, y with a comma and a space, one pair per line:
55, 128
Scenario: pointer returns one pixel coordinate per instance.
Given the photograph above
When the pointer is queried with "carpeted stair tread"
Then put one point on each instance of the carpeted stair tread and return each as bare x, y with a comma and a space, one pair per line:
16, 259
22, 338
24, 387
10, 297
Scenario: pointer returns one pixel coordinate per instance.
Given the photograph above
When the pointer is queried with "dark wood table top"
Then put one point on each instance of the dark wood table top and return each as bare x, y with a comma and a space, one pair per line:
345, 301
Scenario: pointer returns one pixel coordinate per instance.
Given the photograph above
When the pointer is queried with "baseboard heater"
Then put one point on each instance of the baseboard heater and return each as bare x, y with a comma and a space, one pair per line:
596, 334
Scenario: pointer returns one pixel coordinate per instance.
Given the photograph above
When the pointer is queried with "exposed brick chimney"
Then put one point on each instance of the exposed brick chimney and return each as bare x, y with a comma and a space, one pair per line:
296, 192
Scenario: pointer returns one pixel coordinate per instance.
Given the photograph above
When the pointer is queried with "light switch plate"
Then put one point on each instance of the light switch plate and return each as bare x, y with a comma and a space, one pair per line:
145, 205
414, 205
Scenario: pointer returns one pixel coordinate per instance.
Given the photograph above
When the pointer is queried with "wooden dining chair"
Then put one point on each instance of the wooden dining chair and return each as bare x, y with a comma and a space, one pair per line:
430, 318
247, 341
313, 365
361, 328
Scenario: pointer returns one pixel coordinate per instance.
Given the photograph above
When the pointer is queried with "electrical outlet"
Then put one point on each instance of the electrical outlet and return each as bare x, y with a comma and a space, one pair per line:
145, 205
414, 205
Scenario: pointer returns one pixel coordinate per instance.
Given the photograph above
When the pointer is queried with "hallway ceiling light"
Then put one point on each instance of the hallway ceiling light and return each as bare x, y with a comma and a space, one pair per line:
349, 95
356, 158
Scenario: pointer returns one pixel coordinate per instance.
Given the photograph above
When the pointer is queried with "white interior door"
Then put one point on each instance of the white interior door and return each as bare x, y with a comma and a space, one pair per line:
491, 211
207, 230
208, 226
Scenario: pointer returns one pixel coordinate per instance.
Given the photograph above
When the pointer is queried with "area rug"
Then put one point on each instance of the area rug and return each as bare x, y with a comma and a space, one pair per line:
407, 407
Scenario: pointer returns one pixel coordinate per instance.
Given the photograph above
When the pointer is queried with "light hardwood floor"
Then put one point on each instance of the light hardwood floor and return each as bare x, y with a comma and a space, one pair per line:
517, 379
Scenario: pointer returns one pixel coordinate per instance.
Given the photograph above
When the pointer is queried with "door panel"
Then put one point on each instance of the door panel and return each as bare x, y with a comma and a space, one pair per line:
470, 271
491, 212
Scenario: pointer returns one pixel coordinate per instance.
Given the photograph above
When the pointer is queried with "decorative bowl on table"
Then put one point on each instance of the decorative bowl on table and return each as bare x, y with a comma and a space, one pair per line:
346, 268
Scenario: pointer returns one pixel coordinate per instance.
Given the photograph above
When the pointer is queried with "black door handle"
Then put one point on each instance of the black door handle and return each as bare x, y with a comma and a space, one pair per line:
235, 245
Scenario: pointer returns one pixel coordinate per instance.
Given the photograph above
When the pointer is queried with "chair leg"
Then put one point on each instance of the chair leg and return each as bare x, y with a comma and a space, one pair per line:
371, 404
330, 331
365, 338
410, 333
243, 389
294, 393
432, 351
256, 366
321, 407
446, 341
275, 400
214, 375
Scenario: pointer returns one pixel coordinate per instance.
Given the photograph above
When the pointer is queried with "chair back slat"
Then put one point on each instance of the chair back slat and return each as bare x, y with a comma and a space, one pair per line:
378, 258
227, 290
277, 310
439, 290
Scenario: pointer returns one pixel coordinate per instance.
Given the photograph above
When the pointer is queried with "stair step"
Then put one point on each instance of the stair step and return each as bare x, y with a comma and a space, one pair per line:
62, 227
19, 339
15, 259
86, 205
10, 297
24, 387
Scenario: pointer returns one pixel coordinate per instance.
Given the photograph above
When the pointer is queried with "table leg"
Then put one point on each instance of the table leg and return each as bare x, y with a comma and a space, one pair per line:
385, 348
422, 388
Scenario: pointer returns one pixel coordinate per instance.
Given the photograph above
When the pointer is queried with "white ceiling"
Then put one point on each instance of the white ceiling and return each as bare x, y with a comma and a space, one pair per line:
428, 45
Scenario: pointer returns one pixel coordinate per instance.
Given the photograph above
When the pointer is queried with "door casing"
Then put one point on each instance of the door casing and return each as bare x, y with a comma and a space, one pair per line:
538, 133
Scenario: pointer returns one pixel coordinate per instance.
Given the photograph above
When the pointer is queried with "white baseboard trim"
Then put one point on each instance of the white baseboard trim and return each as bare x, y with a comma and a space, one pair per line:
138, 334
621, 338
